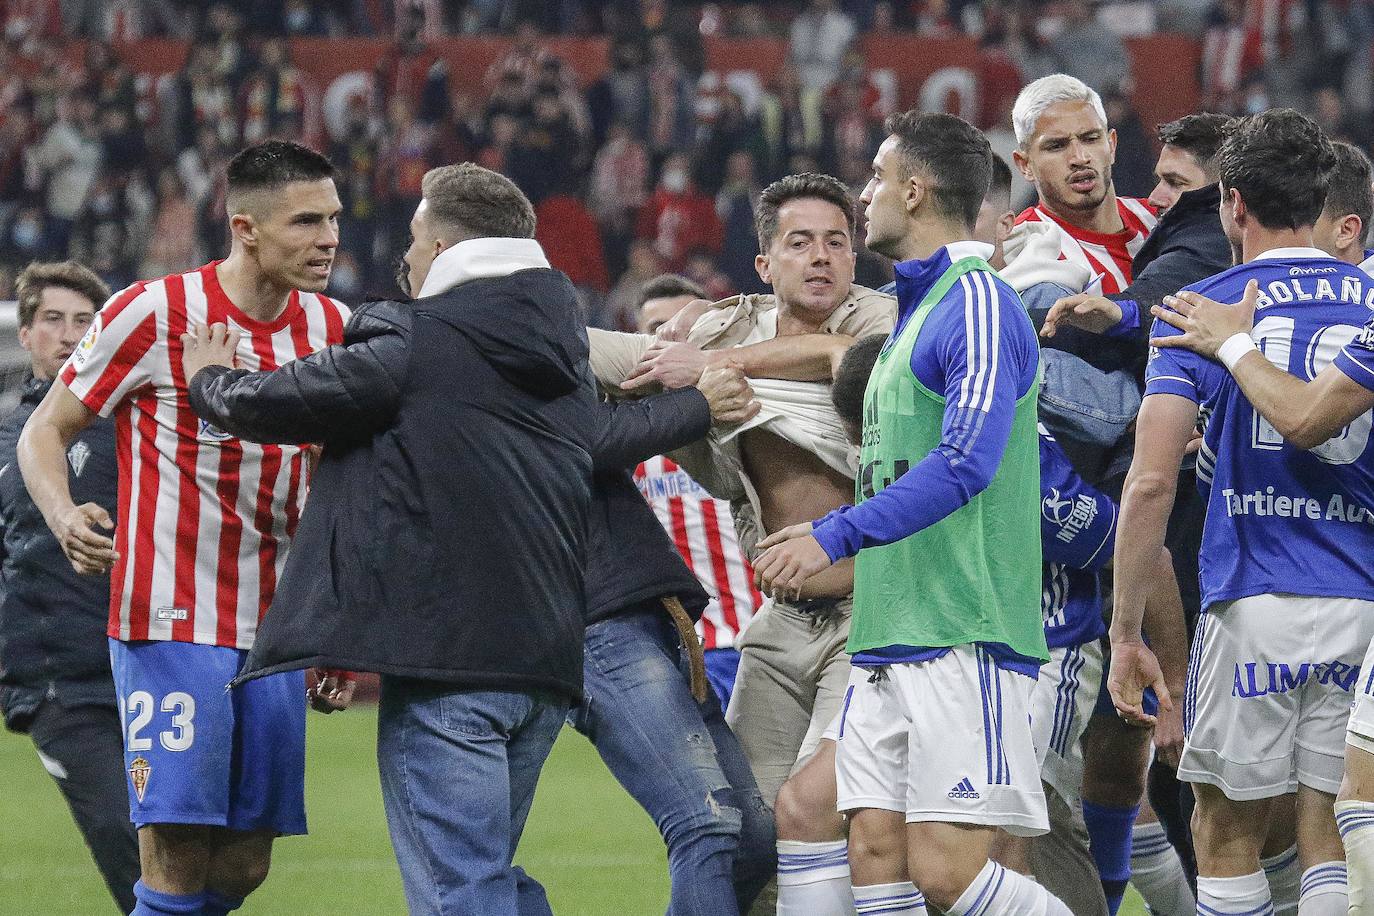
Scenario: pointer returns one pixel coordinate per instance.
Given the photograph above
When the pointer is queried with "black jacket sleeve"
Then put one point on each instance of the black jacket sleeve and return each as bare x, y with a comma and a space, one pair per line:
346, 390
629, 432
1178, 265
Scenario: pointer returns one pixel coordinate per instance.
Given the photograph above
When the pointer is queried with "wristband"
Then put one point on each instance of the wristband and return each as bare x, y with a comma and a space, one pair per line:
1233, 348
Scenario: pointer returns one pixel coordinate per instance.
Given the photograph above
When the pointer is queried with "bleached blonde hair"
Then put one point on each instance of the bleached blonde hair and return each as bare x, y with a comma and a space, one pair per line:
1037, 96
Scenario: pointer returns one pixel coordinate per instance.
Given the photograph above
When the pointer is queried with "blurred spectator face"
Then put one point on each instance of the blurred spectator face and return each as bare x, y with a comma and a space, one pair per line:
59, 324
643, 259
810, 260
273, 53
676, 174
656, 312
547, 109
739, 168
503, 130
1178, 172
293, 233
1069, 158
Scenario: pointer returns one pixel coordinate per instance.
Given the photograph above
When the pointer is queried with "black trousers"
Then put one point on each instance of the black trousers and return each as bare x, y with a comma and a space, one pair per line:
84, 752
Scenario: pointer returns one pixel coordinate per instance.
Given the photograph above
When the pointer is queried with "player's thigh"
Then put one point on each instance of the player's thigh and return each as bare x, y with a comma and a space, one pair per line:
1243, 703
872, 738
178, 723
971, 754
1331, 682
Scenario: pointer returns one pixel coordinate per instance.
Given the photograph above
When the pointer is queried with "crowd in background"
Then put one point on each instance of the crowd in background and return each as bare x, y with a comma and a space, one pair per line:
653, 167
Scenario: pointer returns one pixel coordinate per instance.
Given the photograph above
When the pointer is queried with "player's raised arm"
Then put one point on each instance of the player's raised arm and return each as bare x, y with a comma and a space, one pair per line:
42, 452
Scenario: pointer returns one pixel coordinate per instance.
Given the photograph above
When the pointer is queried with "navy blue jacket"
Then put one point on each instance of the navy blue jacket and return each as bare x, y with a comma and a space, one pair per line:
53, 620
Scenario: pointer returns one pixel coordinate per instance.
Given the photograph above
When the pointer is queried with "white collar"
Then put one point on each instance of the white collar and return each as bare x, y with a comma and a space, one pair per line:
1289, 254
476, 259
969, 249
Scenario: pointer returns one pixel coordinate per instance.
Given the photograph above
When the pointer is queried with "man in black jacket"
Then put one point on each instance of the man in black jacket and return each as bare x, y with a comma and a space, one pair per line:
55, 681
449, 544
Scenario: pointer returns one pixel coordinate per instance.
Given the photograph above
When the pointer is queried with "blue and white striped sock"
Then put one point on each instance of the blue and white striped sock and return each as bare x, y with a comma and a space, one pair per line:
999, 891
1324, 891
1284, 875
1157, 874
889, 900
1247, 895
1355, 820
813, 878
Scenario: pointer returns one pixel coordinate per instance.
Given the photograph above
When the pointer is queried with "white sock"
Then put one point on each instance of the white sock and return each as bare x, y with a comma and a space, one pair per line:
887, 899
1284, 875
1324, 891
999, 891
1355, 819
813, 879
1248, 894
1158, 874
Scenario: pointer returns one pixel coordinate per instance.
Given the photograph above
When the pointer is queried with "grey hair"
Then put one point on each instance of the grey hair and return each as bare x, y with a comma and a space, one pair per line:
1044, 92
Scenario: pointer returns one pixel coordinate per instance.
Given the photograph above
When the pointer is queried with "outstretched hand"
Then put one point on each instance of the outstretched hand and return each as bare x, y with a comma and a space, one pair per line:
789, 558
1205, 323
1088, 311
1134, 667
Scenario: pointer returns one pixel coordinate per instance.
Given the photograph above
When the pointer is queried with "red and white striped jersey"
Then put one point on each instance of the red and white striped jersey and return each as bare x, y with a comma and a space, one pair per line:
704, 533
1106, 253
205, 519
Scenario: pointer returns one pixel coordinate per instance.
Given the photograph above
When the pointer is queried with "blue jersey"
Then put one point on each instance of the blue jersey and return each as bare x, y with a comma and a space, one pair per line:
1077, 535
1280, 519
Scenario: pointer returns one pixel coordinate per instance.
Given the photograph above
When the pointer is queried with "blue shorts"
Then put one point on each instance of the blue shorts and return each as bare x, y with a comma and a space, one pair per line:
721, 667
197, 753
1149, 702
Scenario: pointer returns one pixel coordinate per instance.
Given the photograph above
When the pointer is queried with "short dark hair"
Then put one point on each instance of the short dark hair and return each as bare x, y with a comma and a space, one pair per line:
794, 187
953, 152
668, 286
39, 276
1350, 190
1001, 179
272, 163
851, 378
1280, 162
1199, 135
477, 202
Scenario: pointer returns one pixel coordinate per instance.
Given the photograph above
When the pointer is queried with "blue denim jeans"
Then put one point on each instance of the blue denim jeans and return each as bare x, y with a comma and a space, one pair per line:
458, 772
681, 763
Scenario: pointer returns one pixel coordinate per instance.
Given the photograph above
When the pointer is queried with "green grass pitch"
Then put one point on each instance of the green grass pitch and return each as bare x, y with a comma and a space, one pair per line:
589, 844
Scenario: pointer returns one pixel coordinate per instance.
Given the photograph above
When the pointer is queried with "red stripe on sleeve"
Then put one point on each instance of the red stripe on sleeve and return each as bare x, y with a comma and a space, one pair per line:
133, 349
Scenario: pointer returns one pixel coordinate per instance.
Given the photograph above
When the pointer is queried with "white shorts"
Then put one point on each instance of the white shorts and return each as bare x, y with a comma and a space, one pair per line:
1061, 703
1360, 731
946, 740
1270, 683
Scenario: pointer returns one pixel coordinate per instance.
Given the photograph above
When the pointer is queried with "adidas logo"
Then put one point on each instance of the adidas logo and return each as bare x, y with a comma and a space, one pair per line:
964, 790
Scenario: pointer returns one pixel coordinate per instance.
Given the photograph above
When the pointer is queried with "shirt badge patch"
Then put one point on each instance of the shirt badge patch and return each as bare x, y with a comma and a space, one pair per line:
139, 771
77, 455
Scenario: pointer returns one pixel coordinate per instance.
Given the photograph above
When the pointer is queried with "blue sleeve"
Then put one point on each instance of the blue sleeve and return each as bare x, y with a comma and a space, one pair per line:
1129, 325
1172, 371
1356, 359
1077, 523
980, 351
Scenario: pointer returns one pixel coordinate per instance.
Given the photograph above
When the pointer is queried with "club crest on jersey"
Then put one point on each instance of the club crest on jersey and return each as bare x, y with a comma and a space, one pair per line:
77, 455
213, 433
139, 771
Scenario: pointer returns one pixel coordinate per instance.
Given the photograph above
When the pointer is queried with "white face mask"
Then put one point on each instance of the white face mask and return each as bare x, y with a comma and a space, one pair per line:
675, 180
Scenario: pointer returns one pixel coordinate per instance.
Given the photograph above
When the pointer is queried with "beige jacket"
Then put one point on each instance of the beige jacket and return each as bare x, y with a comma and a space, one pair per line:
798, 412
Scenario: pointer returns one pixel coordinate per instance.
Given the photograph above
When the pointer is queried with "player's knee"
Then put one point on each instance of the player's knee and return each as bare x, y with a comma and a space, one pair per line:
941, 879
242, 870
796, 812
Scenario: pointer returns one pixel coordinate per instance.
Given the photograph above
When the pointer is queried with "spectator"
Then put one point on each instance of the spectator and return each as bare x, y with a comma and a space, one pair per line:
735, 207
701, 269
622, 305
820, 37
619, 186
678, 218
67, 162
1230, 54
728, 131
1087, 49
670, 99
621, 96
172, 242
273, 100
407, 148
788, 125
541, 159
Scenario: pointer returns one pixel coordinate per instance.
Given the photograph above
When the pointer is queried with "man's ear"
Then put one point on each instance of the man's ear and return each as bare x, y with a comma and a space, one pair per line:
1111, 141
914, 192
24, 337
244, 229
1350, 231
1022, 163
1005, 223
764, 268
